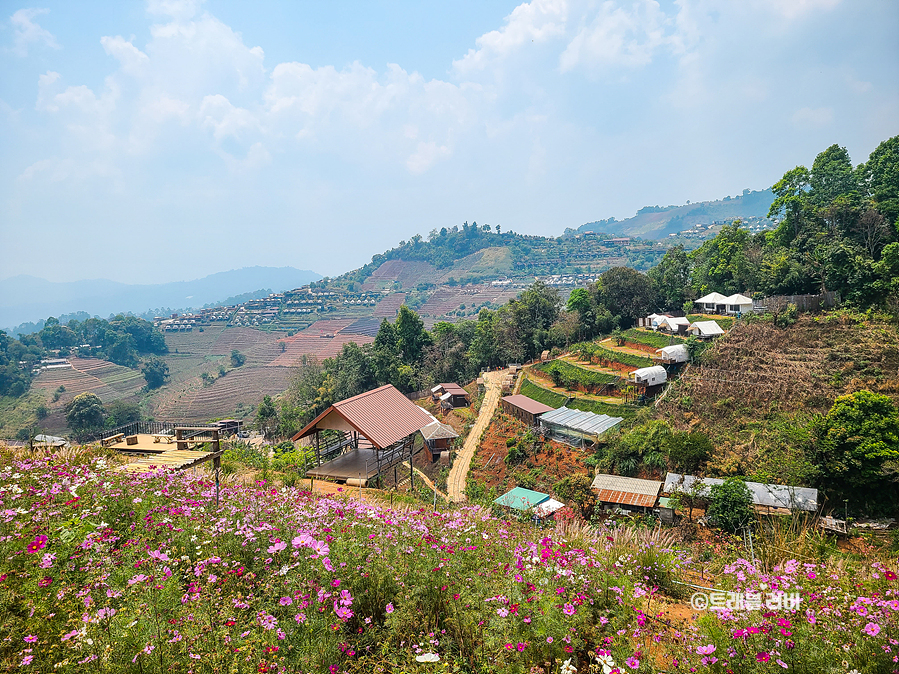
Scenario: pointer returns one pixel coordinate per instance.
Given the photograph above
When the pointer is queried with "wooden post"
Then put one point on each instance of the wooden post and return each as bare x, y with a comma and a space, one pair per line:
178, 436
216, 465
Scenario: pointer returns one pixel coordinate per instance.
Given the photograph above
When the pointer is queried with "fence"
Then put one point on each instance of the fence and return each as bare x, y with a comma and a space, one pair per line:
804, 303
145, 427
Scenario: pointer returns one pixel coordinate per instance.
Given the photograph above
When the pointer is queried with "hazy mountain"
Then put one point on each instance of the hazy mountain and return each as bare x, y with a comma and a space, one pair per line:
28, 298
657, 222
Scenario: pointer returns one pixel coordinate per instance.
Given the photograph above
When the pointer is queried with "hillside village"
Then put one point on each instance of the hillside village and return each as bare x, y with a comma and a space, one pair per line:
688, 422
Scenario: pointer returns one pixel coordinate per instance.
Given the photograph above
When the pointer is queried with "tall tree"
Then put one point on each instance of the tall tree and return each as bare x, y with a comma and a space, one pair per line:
879, 179
85, 413
627, 293
671, 278
412, 338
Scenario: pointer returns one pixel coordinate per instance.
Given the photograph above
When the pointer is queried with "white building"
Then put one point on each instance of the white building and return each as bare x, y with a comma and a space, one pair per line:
651, 376
705, 329
716, 303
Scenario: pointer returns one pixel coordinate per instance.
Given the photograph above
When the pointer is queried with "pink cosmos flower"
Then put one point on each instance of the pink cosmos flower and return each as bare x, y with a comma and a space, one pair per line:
706, 650
388, 609
285, 601
568, 610
549, 640
26, 660
47, 560
632, 662
39, 543
46, 581
30, 639
521, 647
872, 629
762, 657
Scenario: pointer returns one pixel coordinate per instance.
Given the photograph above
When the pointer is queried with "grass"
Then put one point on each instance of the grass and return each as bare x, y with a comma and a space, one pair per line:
654, 339
590, 351
555, 400
567, 374
726, 322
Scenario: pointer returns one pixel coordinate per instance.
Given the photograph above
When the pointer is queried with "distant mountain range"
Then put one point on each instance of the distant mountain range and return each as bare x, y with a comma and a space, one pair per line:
657, 222
28, 298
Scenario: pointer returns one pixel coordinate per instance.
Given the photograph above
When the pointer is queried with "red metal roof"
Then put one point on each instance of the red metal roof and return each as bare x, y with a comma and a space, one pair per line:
455, 389
383, 415
527, 404
626, 498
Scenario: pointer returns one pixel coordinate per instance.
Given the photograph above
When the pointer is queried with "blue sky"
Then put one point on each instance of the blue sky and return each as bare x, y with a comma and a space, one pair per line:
165, 140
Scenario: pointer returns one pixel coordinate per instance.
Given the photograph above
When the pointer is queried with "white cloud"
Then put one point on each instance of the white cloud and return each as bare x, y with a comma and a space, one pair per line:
537, 21
618, 36
130, 57
217, 113
28, 32
180, 10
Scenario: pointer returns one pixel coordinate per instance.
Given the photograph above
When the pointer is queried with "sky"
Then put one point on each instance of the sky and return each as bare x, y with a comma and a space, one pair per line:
157, 141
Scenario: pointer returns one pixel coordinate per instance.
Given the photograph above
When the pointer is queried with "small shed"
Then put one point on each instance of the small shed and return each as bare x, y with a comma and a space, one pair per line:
521, 499
576, 427
650, 376
438, 438
524, 408
706, 329
675, 353
615, 491
765, 497
450, 396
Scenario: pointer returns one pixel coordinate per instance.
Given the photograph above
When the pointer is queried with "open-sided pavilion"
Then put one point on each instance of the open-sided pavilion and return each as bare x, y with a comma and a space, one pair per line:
362, 437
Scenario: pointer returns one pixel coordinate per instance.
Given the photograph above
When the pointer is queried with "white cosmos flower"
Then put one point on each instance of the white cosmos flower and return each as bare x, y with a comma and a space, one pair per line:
427, 657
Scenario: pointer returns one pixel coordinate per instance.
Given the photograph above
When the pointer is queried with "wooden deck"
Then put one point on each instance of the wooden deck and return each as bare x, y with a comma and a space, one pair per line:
149, 444
173, 459
355, 464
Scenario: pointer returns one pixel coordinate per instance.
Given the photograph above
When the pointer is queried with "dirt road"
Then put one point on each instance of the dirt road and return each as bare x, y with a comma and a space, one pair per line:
455, 482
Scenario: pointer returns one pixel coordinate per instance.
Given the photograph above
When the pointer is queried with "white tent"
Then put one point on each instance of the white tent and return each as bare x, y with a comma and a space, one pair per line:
675, 353
739, 304
710, 302
548, 507
706, 329
651, 376
671, 324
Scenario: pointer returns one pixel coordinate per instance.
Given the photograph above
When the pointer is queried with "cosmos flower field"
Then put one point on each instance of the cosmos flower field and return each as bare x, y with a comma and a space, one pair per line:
111, 572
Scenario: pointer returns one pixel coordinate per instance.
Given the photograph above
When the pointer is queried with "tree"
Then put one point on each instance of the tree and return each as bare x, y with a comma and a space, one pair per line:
730, 505
790, 202
722, 264
577, 489
121, 412
671, 278
688, 451
85, 413
412, 338
879, 178
627, 293
852, 442
267, 416
832, 177
155, 372
237, 358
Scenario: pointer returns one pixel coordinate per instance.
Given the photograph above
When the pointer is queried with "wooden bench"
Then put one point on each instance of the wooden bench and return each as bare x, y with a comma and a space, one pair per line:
163, 437
112, 439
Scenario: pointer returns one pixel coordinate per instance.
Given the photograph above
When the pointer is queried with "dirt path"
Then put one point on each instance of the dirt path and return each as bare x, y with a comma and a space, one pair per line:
455, 482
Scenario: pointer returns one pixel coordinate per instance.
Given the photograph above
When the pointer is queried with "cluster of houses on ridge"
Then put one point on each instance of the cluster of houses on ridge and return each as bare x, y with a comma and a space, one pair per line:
713, 303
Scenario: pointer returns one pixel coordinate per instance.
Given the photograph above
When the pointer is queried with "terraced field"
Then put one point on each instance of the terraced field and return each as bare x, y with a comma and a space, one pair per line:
388, 307
244, 386
446, 298
407, 273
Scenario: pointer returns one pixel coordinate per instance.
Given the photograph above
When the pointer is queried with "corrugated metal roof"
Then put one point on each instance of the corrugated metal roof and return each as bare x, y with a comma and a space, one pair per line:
585, 422
626, 490
383, 415
438, 431
770, 495
455, 389
520, 498
527, 404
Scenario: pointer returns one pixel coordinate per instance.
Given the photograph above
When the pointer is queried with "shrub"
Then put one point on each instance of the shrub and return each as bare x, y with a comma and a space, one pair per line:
730, 505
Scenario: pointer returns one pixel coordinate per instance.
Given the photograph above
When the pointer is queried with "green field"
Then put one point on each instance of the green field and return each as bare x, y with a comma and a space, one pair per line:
556, 400
589, 350
648, 338
567, 374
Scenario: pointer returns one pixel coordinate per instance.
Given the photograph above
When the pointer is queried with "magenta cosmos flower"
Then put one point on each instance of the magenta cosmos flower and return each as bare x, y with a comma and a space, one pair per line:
39, 543
872, 629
